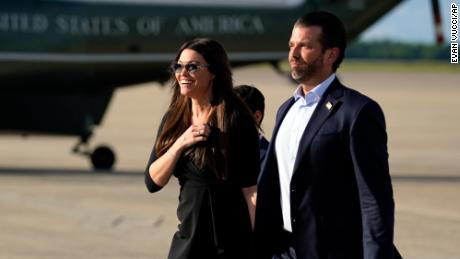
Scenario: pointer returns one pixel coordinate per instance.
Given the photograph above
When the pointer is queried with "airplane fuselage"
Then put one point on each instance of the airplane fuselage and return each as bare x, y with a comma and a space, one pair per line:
88, 40
61, 60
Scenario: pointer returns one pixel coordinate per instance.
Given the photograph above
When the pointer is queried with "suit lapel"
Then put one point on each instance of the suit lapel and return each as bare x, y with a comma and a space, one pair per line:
323, 110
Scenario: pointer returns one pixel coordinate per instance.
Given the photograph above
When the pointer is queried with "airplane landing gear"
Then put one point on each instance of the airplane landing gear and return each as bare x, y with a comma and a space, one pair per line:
102, 158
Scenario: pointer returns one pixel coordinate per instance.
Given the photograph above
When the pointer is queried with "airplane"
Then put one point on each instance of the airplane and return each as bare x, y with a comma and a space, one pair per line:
62, 60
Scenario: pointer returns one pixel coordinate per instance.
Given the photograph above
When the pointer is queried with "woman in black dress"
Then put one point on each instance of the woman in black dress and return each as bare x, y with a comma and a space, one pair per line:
209, 141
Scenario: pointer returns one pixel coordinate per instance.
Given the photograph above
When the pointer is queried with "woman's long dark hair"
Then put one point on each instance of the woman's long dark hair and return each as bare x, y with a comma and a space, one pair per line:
216, 152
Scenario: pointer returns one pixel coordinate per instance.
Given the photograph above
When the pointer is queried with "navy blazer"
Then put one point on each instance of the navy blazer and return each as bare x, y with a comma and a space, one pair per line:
263, 147
341, 194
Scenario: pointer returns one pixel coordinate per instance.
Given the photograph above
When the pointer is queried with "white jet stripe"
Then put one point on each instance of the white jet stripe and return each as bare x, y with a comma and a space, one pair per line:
125, 58
282, 4
83, 58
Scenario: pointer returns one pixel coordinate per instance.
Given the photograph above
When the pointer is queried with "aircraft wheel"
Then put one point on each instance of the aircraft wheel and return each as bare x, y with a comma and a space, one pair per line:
103, 158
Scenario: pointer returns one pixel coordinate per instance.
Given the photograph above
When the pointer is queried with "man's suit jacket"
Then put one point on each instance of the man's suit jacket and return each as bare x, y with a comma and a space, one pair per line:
263, 147
341, 195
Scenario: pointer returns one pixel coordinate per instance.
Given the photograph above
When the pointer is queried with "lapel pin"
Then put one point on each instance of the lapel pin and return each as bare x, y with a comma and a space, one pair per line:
329, 105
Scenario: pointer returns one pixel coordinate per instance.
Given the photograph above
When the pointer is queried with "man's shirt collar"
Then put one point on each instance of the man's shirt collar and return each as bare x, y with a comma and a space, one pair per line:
315, 94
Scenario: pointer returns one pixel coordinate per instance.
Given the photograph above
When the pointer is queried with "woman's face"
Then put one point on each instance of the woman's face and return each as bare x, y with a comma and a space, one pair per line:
193, 76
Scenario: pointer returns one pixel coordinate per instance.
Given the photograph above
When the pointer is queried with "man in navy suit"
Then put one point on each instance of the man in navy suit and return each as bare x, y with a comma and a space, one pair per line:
325, 189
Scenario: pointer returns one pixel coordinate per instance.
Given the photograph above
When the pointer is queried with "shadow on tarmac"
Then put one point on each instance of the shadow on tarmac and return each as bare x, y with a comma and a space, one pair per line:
65, 171
74, 172
426, 178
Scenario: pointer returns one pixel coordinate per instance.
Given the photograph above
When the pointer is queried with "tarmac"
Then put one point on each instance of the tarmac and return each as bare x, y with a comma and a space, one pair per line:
53, 205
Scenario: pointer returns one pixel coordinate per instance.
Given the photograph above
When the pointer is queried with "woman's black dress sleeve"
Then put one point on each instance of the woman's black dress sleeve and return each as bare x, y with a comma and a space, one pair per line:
149, 183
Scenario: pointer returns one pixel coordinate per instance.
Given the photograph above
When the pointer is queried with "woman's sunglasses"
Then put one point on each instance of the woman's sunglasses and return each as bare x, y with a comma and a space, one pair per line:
190, 67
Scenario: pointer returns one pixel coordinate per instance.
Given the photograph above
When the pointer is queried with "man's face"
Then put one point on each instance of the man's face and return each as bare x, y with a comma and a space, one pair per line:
305, 53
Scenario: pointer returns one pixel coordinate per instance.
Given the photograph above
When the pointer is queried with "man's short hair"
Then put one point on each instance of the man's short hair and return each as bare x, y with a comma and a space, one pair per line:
333, 33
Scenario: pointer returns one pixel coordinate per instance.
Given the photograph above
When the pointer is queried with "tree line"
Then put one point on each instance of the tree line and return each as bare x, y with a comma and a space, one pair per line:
389, 50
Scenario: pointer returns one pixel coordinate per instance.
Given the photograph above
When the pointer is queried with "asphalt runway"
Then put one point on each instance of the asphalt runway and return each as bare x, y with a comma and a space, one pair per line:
54, 206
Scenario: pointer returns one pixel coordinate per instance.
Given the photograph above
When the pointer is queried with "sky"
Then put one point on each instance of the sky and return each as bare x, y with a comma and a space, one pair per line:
412, 22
